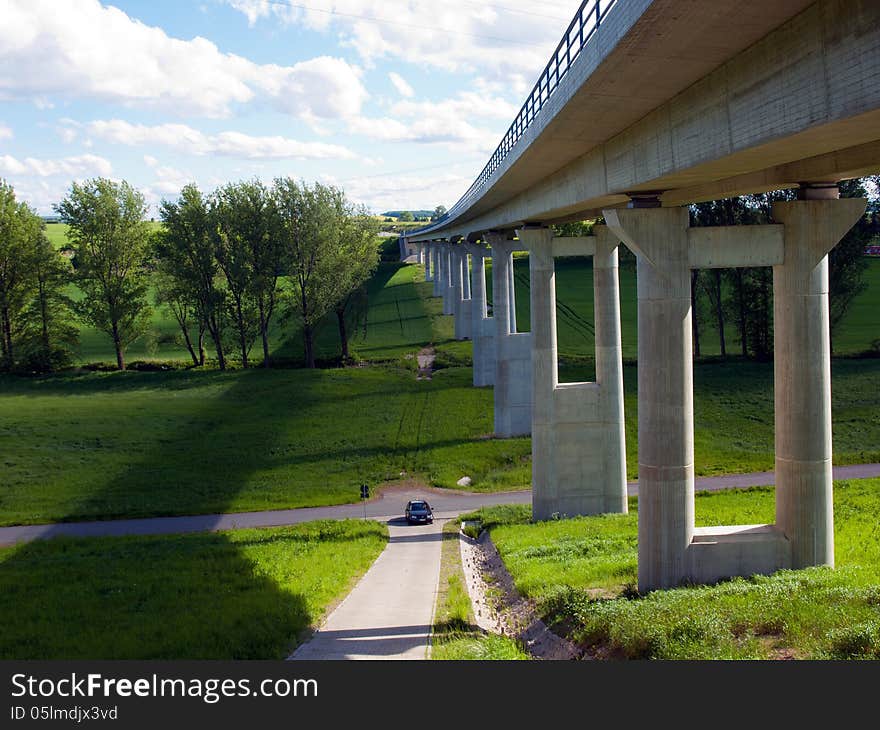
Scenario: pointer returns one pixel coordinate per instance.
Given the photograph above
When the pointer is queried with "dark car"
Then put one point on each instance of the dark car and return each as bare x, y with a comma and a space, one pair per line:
418, 510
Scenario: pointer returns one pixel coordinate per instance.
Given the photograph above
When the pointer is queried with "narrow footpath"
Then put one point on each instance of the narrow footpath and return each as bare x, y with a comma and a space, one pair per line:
390, 612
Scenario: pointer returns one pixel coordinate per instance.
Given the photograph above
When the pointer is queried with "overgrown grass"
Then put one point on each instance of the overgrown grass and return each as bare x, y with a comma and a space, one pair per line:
455, 636
583, 572
247, 594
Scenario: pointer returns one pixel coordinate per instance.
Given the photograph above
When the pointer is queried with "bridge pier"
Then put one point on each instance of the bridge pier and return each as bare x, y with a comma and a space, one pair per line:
513, 350
802, 371
462, 296
437, 250
671, 549
482, 326
448, 283
578, 444
428, 261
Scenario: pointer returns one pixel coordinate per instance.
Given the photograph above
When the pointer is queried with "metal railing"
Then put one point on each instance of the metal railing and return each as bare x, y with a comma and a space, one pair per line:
585, 22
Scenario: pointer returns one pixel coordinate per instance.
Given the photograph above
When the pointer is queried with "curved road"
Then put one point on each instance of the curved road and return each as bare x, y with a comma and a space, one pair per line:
389, 613
386, 506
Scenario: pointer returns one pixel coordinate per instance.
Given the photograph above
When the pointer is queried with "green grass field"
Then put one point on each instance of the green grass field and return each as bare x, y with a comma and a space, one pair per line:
247, 594
582, 572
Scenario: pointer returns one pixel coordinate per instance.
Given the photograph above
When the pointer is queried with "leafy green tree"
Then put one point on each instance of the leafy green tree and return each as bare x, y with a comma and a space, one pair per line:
406, 217
438, 213
184, 251
107, 229
248, 249
16, 226
358, 256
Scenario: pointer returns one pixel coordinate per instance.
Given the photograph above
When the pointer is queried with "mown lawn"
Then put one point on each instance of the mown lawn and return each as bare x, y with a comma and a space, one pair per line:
247, 594
582, 573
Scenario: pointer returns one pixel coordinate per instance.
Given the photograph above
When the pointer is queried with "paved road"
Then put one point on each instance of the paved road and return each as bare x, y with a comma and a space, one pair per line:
387, 505
389, 613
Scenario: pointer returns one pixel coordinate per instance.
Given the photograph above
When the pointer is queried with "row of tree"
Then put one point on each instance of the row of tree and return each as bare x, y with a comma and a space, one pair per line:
225, 264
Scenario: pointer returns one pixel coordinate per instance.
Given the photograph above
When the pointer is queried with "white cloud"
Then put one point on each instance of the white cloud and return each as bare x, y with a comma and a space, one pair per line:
403, 88
458, 123
5, 132
185, 139
79, 48
78, 166
512, 42
405, 191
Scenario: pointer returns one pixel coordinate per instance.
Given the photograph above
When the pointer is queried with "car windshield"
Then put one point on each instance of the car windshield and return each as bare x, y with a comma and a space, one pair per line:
418, 505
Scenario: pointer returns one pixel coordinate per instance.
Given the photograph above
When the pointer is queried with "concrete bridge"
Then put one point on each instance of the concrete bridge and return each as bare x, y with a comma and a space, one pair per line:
645, 107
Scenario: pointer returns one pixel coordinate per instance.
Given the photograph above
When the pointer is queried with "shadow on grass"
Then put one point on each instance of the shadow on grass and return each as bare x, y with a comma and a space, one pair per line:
196, 596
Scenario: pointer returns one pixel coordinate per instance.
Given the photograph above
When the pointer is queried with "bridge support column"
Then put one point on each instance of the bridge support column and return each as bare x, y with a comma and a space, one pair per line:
513, 351
578, 446
438, 268
448, 284
461, 303
802, 371
666, 418
429, 261
482, 326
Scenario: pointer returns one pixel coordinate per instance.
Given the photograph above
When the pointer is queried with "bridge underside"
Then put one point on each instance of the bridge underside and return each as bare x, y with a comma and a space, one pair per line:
690, 102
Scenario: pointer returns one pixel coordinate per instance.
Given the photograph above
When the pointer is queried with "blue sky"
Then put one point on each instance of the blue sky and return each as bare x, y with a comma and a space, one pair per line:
400, 102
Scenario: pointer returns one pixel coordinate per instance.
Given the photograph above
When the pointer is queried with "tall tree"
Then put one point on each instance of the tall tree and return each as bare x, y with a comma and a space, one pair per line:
246, 249
358, 256
185, 253
17, 225
107, 229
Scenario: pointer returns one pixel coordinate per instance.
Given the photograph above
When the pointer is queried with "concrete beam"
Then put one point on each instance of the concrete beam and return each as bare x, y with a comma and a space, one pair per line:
728, 247
564, 246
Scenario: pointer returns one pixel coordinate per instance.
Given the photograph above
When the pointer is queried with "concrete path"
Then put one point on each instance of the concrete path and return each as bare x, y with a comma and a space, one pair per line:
389, 504
389, 613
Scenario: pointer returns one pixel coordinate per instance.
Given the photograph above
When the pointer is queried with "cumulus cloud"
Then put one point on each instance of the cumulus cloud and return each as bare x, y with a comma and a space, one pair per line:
183, 138
5, 132
405, 191
78, 166
80, 48
467, 123
403, 88
511, 42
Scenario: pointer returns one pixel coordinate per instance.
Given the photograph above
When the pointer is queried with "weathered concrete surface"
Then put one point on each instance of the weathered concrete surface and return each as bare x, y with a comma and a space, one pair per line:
513, 351
482, 326
461, 304
659, 239
389, 613
802, 374
701, 101
578, 446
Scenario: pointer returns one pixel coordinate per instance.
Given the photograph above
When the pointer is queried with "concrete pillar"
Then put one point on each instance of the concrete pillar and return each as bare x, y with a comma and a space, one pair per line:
448, 284
482, 326
665, 381
426, 259
578, 444
512, 294
802, 372
609, 366
461, 304
438, 269
466, 273
513, 367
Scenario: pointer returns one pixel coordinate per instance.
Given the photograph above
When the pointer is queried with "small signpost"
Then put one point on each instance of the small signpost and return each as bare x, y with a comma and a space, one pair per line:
365, 495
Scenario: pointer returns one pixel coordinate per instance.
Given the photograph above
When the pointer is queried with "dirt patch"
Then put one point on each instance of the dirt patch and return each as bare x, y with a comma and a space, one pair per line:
426, 359
500, 608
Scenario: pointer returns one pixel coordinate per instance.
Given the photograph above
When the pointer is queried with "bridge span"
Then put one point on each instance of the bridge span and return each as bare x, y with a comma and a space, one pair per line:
645, 107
